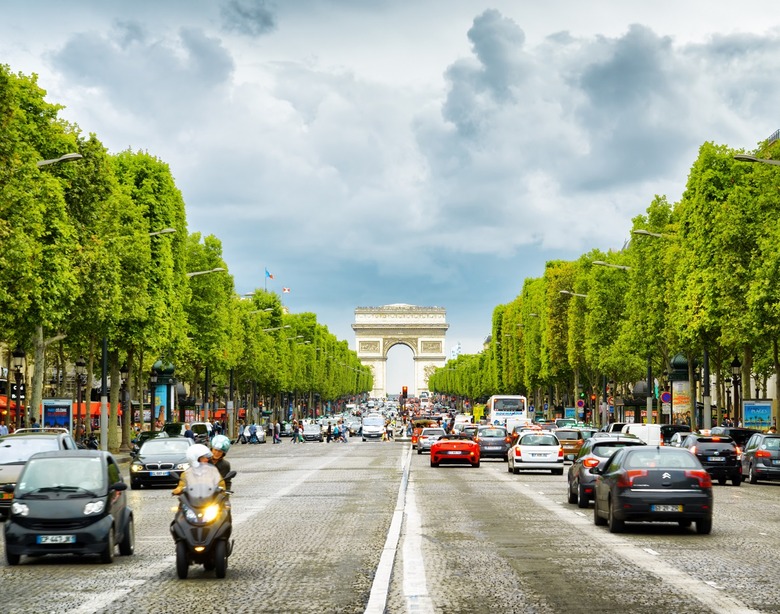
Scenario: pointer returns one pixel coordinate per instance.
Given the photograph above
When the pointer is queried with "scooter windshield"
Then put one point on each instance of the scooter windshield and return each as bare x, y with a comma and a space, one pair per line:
202, 483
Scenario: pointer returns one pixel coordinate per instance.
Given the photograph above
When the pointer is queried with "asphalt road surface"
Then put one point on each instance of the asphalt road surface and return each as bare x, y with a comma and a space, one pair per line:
371, 527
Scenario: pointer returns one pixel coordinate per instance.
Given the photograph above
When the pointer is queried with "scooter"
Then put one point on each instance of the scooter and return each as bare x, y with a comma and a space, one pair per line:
201, 529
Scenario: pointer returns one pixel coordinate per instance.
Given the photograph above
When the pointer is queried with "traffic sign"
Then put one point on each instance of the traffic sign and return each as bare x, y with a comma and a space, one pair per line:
666, 397
610, 400
580, 403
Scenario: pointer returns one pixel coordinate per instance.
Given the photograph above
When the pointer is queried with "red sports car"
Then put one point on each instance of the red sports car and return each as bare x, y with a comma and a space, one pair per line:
455, 449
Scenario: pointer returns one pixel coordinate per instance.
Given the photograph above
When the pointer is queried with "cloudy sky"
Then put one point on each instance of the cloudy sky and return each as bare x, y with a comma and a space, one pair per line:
431, 152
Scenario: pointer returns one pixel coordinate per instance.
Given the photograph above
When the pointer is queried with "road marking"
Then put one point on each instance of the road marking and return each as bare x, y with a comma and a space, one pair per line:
712, 598
139, 575
713, 584
650, 551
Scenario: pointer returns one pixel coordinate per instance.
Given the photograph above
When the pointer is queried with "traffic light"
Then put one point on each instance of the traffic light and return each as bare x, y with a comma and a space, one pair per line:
582, 395
405, 392
593, 400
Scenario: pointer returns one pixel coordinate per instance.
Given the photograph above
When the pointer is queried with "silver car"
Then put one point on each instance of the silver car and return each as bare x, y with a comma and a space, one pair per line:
427, 437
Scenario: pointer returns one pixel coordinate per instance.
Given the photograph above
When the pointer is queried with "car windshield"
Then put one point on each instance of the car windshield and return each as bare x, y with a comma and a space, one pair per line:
18, 449
165, 446
433, 432
564, 434
492, 433
660, 458
538, 440
75, 475
200, 429
373, 421
311, 428
771, 443
605, 450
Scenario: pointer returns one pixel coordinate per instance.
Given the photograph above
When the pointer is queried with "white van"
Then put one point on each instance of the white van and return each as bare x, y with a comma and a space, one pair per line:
649, 433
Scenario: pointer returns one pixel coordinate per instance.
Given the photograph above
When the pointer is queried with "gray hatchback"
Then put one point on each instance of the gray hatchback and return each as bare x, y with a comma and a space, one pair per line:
494, 442
761, 457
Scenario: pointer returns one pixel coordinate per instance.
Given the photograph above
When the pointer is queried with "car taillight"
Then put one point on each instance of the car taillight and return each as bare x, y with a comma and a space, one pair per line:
716, 439
508, 439
590, 463
762, 454
476, 439
518, 452
626, 480
705, 481
560, 452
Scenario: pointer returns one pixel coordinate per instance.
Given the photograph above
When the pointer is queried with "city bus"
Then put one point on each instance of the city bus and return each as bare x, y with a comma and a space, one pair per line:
508, 410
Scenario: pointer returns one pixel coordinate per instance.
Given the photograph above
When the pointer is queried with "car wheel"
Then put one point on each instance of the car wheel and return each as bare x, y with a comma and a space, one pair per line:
557, 471
107, 556
615, 525
476, 465
572, 495
506, 459
753, 477
419, 450
220, 558
12, 559
582, 498
127, 545
510, 468
736, 480
134, 485
684, 523
704, 526
722, 481
182, 560
597, 520
434, 464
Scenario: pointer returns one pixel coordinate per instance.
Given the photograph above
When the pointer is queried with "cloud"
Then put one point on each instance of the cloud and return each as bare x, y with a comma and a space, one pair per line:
250, 18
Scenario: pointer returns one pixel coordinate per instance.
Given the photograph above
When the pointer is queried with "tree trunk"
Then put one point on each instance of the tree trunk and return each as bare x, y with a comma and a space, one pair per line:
33, 403
113, 407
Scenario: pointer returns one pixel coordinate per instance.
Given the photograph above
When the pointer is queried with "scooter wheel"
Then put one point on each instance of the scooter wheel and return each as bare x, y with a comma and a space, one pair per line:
182, 562
220, 558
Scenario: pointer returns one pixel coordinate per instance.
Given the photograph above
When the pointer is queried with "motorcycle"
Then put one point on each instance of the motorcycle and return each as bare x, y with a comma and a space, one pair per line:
201, 527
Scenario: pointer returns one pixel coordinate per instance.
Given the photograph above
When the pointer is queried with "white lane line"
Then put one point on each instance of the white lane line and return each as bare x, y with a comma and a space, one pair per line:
377, 600
241, 514
650, 551
415, 586
712, 598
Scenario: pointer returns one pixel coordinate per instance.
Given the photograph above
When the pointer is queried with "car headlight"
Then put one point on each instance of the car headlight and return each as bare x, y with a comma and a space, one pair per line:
94, 507
182, 466
19, 509
135, 467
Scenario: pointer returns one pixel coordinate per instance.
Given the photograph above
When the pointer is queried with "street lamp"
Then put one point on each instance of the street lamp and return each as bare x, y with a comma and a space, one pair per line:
268, 330
622, 267
261, 310
570, 293
81, 371
18, 364
746, 158
164, 231
68, 157
124, 405
736, 367
195, 273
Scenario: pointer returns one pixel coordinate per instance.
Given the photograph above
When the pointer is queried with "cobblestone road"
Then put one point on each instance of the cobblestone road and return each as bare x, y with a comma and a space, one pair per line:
316, 526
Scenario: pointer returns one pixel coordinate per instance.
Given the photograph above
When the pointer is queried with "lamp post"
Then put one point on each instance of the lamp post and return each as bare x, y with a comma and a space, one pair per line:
125, 407
213, 402
746, 158
81, 371
728, 398
196, 273
570, 293
622, 267
737, 380
18, 356
153, 392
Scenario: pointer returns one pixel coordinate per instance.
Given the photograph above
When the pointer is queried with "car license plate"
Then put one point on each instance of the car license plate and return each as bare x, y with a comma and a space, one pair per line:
56, 539
716, 459
160, 474
538, 455
666, 508
454, 452
492, 447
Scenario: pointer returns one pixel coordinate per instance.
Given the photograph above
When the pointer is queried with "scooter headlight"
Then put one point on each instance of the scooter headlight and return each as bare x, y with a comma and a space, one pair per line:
190, 515
210, 513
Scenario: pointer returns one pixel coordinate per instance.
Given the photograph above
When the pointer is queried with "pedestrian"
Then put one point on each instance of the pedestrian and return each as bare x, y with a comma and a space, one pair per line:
295, 432
772, 429
253, 433
345, 432
328, 433
277, 431
3, 428
188, 432
241, 434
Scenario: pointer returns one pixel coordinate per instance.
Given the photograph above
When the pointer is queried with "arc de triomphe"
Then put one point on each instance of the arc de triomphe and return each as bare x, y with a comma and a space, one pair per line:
422, 329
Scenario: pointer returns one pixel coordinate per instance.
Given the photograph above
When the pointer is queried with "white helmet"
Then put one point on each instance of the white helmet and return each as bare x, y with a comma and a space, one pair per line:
196, 451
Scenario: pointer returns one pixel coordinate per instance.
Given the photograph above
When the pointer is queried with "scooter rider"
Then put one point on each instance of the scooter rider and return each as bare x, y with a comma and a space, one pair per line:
199, 457
220, 445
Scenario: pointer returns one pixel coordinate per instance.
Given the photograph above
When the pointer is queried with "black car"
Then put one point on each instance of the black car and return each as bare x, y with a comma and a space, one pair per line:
145, 436
69, 503
16, 448
737, 433
718, 454
668, 431
761, 457
160, 461
593, 454
653, 484
494, 441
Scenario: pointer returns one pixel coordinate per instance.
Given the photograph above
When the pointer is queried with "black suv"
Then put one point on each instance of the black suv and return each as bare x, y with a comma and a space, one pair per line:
718, 454
668, 431
761, 457
17, 448
739, 434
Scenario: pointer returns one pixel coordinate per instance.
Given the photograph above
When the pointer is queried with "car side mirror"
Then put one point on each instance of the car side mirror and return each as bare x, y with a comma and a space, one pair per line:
118, 486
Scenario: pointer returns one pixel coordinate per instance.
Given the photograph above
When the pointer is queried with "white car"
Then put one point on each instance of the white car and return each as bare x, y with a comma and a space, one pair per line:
535, 452
427, 437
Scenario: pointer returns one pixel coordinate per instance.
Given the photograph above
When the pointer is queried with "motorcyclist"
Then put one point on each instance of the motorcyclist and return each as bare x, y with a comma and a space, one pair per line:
199, 457
220, 445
